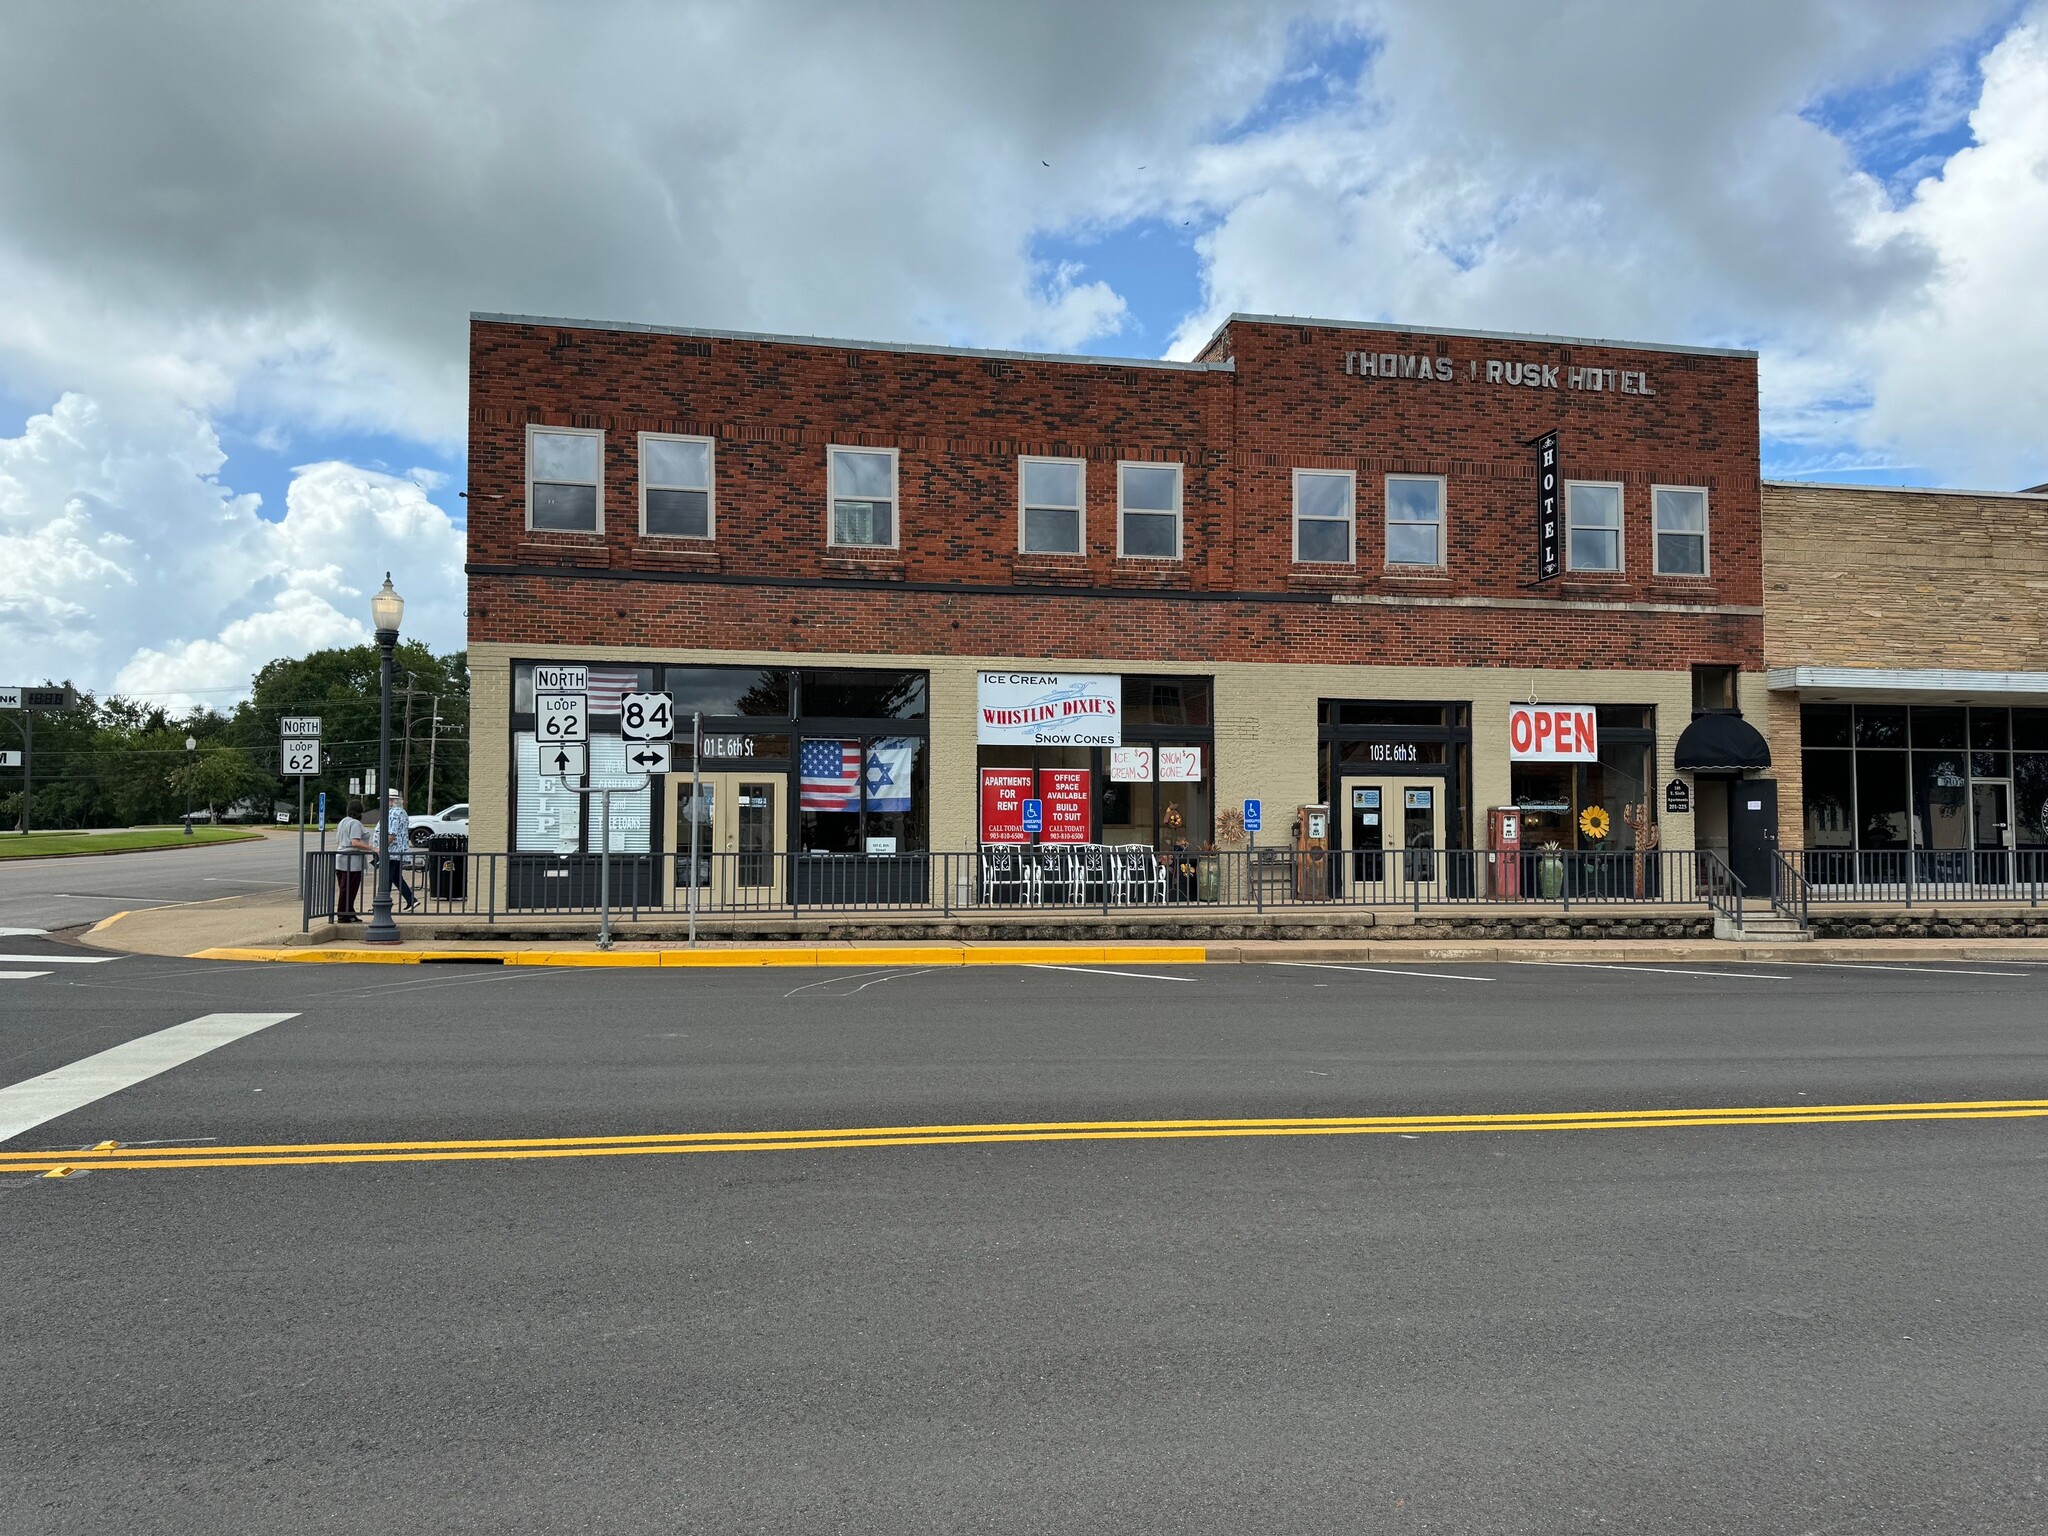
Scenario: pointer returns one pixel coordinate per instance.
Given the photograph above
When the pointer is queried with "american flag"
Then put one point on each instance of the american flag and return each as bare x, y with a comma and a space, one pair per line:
831, 776
608, 685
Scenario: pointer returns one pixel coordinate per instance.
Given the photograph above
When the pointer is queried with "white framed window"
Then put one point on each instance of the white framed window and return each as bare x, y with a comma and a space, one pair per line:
675, 486
1415, 519
1681, 529
1325, 507
1051, 506
1148, 511
862, 513
1592, 525
565, 479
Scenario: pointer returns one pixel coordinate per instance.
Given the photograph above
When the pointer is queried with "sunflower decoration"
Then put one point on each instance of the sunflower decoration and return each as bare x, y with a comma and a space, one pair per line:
1593, 821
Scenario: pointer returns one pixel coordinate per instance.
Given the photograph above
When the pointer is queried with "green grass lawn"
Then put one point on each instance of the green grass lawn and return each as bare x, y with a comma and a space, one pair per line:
41, 844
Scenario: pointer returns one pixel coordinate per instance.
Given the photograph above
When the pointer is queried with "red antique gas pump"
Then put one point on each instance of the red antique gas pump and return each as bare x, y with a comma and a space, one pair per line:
1504, 850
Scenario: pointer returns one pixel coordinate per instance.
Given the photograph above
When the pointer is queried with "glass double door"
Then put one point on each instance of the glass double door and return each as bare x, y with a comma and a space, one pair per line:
1393, 831
741, 837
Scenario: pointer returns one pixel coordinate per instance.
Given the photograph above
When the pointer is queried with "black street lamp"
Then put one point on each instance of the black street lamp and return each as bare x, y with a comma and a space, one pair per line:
387, 608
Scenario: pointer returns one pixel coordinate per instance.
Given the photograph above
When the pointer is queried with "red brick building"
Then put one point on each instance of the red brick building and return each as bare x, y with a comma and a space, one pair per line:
1303, 568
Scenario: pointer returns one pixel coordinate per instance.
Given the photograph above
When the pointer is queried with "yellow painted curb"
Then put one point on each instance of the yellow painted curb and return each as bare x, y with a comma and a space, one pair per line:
864, 956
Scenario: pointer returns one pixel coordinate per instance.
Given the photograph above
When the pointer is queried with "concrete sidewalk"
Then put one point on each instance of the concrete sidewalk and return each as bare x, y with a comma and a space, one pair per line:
267, 928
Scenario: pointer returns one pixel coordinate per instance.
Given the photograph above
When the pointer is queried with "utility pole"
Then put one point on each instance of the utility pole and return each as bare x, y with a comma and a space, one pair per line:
405, 757
433, 745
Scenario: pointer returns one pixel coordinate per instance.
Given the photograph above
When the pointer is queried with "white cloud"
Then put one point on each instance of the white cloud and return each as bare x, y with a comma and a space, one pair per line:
124, 562
286, 213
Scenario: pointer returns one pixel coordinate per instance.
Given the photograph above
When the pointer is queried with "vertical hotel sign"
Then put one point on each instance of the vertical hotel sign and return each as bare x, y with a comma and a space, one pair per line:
1549, 544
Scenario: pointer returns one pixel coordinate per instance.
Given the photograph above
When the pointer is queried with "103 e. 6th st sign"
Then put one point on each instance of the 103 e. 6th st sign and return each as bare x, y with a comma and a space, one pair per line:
1553, 733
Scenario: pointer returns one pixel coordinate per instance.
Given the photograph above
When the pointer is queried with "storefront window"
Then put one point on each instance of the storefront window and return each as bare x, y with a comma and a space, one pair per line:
1830, 789
1881, 798
863, 695
1556, 799
709, 691
1881, 725
862, 795
1392, 739
1825, 725
1166, 701
1941, 794
2030, 799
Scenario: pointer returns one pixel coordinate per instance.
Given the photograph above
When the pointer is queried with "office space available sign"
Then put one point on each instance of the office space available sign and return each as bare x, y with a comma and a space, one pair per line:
1068, 802
1553, 733
1049, 709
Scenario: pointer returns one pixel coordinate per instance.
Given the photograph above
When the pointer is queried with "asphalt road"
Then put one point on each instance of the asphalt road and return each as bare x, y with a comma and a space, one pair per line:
66, 892
1791, 1327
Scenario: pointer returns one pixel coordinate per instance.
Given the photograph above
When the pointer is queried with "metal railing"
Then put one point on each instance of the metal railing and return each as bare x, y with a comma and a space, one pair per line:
1882, 876
1791, 891
1088, 877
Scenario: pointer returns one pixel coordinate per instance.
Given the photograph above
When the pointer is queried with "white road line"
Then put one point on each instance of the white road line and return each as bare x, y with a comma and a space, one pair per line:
27, 1105
59, 959
1924, 970
20, 975
22, 933
1096, 970
1385, 970
1657, 970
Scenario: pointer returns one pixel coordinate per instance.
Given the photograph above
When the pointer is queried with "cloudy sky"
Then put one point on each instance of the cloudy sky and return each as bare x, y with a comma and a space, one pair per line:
239, 241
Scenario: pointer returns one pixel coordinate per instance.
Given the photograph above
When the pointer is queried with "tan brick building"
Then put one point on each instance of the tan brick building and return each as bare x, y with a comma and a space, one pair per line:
1906, 637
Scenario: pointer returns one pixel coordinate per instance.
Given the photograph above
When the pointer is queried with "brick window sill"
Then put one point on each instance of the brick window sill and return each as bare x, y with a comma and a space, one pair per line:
1050, 570
566, 549
878, 565
664, 556
1586, 584
1149, 573
1324, 578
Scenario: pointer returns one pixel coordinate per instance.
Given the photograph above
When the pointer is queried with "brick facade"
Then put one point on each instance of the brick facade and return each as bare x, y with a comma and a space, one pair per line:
1880, 577
1240, 424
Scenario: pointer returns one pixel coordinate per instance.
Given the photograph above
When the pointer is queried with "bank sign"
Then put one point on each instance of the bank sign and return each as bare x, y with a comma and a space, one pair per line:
1049, 709
1553, 733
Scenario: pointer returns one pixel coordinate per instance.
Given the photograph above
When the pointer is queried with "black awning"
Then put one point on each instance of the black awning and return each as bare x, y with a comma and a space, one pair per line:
1721, 744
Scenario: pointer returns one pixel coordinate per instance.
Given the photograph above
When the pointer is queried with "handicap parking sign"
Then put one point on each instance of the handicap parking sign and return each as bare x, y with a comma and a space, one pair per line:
1034, 815
1252, 809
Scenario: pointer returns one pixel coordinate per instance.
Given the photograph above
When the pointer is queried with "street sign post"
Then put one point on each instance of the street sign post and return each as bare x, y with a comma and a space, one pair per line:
650, 756
561, 717
647, 717
562, 760
29, 701
298, 754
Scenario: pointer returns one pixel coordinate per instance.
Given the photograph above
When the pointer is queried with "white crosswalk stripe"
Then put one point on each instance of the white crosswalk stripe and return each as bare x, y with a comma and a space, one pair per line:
21, 975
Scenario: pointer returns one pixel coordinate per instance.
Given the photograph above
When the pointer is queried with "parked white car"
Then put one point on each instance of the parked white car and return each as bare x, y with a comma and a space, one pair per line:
454, 819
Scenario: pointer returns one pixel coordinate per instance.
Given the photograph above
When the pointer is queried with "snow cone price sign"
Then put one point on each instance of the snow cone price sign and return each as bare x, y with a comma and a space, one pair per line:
1553, 733
1049, 709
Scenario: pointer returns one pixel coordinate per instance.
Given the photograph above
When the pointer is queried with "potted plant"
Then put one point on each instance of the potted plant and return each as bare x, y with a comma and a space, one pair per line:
1550, 870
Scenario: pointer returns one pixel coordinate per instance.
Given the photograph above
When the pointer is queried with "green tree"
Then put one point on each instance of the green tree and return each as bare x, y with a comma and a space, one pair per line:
220, 776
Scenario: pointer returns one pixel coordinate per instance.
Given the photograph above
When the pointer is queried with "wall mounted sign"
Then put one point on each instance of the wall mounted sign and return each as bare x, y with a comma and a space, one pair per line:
1068, 804
1553, 733
1049, 709
1427, 368
1549, 542
1678, 798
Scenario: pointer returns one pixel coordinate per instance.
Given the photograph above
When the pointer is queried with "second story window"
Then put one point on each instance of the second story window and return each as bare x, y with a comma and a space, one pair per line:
864, 497
1415, 520
1592, 515
1681, 531
564, 480
1148, 511
1051, 518
1323, 501
675, 486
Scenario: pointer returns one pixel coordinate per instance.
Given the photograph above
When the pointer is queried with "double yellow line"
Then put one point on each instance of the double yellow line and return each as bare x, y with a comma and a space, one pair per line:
112, 1156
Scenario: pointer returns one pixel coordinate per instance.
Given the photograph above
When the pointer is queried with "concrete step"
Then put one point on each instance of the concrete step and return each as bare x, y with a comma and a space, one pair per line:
1763, 928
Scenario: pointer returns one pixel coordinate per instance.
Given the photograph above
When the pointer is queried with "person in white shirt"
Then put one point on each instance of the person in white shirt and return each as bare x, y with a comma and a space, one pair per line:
396, 843
352, 846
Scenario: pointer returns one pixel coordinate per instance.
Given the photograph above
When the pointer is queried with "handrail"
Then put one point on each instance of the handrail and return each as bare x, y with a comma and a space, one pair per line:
1791, 891
1722, 886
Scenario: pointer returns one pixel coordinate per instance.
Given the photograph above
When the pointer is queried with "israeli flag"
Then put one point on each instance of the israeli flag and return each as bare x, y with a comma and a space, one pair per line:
886, 774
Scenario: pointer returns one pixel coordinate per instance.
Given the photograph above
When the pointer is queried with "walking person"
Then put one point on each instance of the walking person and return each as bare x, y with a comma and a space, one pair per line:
352, 847
396, 843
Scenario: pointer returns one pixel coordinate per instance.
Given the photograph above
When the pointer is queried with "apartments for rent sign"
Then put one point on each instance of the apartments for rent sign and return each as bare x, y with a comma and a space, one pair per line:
1553, 733
1049, 709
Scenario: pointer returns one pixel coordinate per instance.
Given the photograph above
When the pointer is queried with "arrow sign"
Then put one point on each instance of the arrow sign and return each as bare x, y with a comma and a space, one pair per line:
563, 761
648, 757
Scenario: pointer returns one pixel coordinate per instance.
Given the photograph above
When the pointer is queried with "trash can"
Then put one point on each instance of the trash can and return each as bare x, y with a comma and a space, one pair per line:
448, 866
